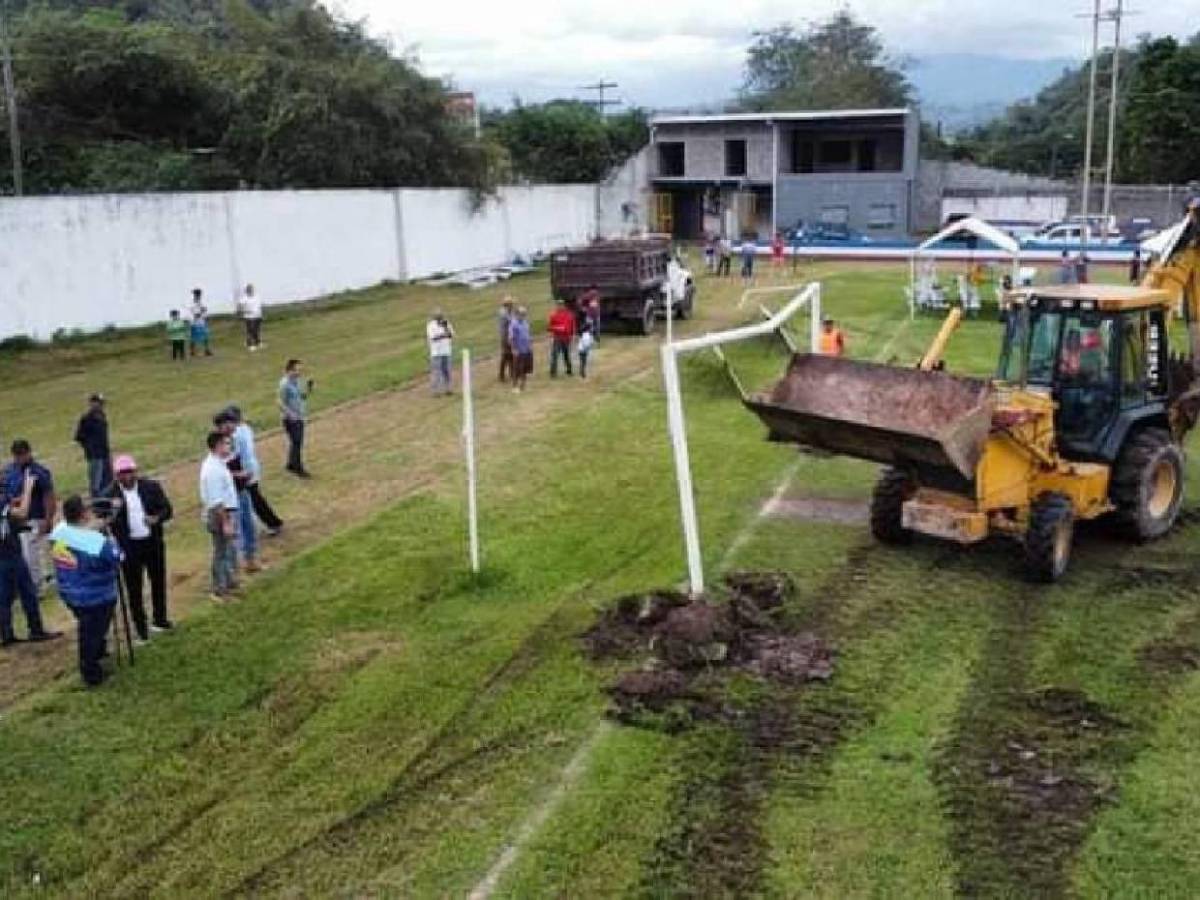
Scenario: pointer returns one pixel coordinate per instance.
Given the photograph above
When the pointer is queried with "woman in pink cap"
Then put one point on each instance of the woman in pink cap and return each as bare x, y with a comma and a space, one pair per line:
140, 508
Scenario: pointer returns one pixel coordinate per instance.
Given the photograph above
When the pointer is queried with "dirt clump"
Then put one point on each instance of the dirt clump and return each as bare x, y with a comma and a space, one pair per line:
628, 627
689, 648
695, 635
792, 659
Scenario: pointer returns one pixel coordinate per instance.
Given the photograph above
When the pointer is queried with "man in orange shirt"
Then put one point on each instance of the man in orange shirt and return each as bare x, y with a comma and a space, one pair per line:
562, 330
833, 342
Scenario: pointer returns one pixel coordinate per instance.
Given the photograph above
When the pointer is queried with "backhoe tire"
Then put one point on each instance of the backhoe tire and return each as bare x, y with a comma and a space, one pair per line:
1049, 538
887, 507
1147, 484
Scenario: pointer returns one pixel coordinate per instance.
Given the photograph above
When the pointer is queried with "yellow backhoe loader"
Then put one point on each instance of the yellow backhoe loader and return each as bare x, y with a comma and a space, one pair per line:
1085, 418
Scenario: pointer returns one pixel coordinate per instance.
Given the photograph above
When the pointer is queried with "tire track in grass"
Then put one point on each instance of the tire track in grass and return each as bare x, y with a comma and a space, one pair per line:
1029, 766
782, 738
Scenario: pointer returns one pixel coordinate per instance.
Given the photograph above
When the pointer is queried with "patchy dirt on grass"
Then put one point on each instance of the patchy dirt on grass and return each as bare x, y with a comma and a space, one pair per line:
815, 509
686, 648
1170, 657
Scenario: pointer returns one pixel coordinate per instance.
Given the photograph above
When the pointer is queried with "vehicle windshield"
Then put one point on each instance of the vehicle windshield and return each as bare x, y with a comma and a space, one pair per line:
1041, 345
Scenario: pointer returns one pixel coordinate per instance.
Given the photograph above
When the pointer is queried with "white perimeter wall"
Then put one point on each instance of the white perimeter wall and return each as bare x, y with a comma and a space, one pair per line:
125, 259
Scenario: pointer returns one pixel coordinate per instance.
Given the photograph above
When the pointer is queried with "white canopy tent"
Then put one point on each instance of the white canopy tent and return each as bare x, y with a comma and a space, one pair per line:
970, 225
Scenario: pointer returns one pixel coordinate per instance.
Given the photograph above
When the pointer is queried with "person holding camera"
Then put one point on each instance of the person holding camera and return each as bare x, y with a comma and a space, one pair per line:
139, 509
14, 573
219, 509
293, 407
440, 335
40, 516
86, 564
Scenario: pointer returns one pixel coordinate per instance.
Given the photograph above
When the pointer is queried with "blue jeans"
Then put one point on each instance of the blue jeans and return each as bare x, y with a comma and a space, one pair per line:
224, 558
559, 348
247, 529
100, 476
94, 622
15, 579
439, 374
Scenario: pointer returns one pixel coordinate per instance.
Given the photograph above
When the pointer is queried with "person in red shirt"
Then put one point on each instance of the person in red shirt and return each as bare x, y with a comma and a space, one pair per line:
562, 330
777, 251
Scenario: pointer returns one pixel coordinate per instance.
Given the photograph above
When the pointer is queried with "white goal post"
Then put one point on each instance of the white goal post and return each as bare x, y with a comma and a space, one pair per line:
810, 297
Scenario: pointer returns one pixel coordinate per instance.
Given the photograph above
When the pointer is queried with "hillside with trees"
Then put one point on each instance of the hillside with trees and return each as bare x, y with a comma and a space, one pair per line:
174, 95
1158, 118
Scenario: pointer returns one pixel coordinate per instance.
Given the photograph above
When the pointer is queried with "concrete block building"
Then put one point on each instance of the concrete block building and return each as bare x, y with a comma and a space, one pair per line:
751, 174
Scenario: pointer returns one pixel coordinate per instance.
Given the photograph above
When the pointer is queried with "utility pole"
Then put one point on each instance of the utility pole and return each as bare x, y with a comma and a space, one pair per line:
1115, 15
1091, 124
10, 96
600, 87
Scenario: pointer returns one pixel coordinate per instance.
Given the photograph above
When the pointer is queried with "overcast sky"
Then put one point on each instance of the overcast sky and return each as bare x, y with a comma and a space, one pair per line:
681, 52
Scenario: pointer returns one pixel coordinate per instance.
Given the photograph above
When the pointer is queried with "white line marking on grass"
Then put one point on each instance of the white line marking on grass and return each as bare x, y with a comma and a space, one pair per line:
743, 537
533, 823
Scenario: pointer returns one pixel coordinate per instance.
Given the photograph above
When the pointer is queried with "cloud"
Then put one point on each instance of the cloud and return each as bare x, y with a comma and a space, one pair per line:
674, 52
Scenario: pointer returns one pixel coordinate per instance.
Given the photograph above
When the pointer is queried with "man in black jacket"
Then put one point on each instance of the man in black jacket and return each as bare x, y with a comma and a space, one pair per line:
140, 507
92, 435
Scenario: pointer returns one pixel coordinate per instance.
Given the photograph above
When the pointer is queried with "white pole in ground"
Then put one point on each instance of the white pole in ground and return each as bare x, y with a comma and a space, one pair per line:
1112, 120
677, 426
683, 469
1090, 130
469, 448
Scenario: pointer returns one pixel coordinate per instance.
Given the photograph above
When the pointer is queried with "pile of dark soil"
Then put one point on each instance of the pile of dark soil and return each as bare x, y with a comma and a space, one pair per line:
686, 648
1170, 657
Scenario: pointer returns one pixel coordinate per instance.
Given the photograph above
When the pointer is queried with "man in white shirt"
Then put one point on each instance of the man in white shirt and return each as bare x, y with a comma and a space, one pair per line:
139, 508
252, 315
219, 508
440, 336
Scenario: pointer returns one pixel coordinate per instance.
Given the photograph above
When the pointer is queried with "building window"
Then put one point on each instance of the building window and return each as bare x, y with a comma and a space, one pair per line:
835, 215
866, 155
836, 153
881, 215
735, 157
670, 159
804, 154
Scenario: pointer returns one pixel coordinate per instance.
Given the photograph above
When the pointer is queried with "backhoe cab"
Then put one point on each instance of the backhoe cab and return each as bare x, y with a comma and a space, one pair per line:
1085, 418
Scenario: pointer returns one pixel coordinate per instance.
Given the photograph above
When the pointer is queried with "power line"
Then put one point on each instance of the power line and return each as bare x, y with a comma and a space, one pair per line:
600, 87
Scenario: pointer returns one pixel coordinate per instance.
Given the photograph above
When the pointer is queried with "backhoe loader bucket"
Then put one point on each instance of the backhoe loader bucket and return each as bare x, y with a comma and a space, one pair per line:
883, 413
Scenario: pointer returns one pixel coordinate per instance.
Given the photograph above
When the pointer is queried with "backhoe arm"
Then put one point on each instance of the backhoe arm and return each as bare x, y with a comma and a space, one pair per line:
1178, 272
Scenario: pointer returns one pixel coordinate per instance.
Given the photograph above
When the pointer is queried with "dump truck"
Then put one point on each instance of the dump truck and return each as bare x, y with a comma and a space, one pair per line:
1085, 417
630, 276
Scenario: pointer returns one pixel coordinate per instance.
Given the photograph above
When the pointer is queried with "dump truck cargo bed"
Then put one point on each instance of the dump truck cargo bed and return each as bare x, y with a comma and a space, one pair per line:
887, 414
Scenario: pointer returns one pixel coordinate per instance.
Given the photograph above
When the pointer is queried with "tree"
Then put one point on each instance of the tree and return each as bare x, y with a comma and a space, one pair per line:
173, 94
836, 64
1162, 118
567, 141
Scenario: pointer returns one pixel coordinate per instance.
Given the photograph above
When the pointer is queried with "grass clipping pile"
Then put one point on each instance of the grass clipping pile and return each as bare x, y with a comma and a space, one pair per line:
688, 651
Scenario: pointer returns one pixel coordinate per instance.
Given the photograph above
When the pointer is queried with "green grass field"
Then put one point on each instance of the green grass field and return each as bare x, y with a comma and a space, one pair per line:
373, 720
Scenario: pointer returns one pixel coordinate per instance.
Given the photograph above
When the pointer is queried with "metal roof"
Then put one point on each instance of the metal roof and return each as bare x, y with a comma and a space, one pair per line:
783, 116
1108, 297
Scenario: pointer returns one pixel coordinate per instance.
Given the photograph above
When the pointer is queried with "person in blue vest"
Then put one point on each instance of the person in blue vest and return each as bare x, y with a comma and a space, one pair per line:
86, 564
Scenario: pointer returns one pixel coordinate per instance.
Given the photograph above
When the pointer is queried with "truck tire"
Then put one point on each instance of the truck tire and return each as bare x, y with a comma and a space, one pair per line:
684, 310
887, 507
649, 317
1049, 537
1147, 484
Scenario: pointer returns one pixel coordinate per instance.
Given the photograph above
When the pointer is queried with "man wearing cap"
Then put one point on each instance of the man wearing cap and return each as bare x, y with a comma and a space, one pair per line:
14, 574
85, 563
140, 508
43, 507
92, 435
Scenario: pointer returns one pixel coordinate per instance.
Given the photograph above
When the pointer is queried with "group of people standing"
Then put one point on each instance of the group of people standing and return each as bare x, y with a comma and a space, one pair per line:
92, 545
719, 251
191, 336
573, 328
